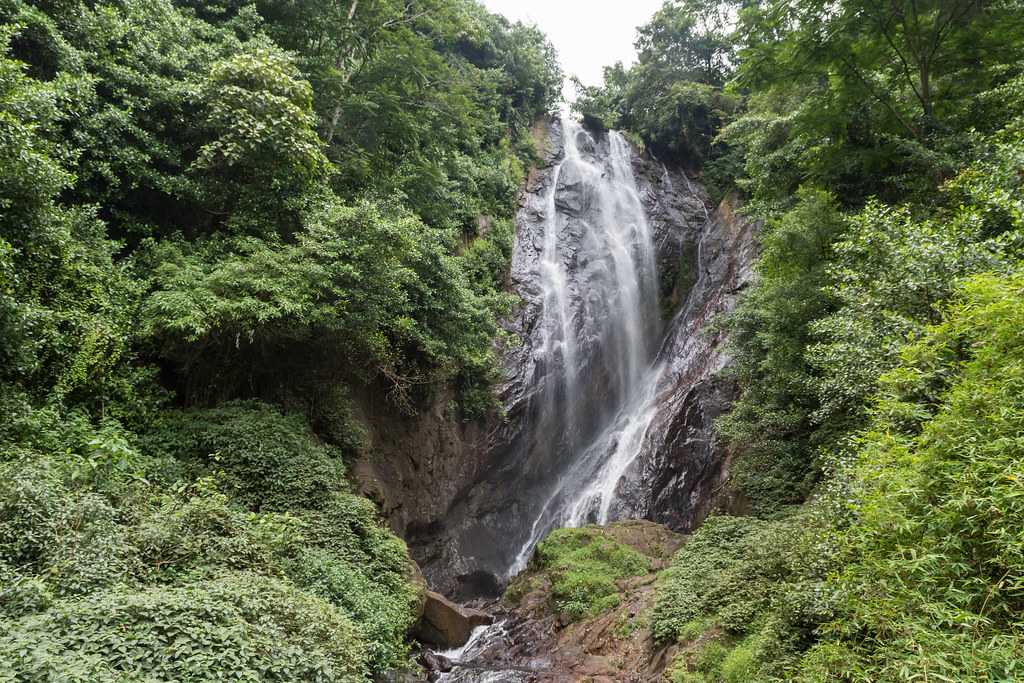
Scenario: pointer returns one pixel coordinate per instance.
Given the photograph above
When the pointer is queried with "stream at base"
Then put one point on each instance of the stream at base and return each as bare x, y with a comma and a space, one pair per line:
463, 660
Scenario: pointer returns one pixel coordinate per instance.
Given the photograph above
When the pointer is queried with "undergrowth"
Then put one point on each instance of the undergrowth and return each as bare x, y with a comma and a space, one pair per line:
584, 566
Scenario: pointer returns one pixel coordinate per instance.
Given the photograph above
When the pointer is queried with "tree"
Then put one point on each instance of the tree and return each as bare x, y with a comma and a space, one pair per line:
772, 422
673, 96
689, 40
870, 97
263, 156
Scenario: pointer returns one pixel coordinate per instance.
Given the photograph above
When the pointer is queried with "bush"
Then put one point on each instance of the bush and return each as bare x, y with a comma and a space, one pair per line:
263, 458
241, 626
933, 575
747, 594
200, 535
71, 540
353, 561
61, 537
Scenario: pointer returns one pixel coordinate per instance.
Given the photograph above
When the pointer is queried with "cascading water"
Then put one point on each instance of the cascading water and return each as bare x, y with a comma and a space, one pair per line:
600, 328
608, 413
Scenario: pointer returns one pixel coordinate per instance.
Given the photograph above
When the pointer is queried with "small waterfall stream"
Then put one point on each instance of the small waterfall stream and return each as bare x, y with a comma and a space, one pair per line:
600, 328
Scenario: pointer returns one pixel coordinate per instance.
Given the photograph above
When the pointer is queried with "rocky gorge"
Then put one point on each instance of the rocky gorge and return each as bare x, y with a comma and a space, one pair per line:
472, 498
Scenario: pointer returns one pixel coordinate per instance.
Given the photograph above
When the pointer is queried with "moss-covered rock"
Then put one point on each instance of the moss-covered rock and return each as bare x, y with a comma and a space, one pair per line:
583, 566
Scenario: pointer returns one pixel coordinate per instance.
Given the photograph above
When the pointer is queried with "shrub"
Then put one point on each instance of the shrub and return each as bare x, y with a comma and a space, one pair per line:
241, 626
202, 534
265, 459
353, 561
748, 589
382, 612
933, 575
728, 570
60, 537
73, 541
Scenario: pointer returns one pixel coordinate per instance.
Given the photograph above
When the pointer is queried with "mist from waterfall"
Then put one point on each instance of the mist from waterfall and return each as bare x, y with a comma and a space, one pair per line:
600, 329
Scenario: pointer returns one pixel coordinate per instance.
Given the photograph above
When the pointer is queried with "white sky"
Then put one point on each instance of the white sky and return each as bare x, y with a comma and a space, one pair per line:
588, 34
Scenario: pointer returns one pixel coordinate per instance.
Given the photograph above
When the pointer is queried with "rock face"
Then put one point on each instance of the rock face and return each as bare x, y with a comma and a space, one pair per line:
530, 641
447, 625
468, 497
680, 465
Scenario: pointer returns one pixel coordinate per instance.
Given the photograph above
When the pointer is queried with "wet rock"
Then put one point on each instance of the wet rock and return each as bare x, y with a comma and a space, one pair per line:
682, 466
535, 643
447, 625
432, 661
486, 522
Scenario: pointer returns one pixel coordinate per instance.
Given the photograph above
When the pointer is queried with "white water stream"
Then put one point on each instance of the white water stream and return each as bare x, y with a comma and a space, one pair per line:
600, 326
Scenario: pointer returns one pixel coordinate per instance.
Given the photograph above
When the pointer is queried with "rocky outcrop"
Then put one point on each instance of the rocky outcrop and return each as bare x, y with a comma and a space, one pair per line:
489, 520
447, 625
681, 466
415, 465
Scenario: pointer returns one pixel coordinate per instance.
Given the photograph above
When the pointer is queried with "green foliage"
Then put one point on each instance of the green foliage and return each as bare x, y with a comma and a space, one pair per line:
770, 330
728, 573
64, 304
241, 626
356, 287
72, 538
886, 276
94, 522
206, 202
181, 539
139, 124
745, 597
933, 571
199, 132
260, 114
355, 562
584, 566
837, 297
719, 660
673, 97
420, 101
264, 459
864, 98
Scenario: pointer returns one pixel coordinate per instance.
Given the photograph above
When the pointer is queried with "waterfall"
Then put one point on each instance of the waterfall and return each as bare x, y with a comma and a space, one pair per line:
608, 411
600, 321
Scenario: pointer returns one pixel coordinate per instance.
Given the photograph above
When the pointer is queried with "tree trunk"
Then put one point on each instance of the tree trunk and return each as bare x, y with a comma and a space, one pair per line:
336, 115
926, 90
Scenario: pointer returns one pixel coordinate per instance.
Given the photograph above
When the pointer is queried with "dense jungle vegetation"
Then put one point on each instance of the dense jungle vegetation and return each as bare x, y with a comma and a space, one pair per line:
879, 434
217, 220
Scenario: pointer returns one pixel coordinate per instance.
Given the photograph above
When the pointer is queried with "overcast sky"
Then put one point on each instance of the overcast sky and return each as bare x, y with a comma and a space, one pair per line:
588, 34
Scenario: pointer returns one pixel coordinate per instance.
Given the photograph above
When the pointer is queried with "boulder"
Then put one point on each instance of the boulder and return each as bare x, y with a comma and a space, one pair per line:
434, 662
447, 625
